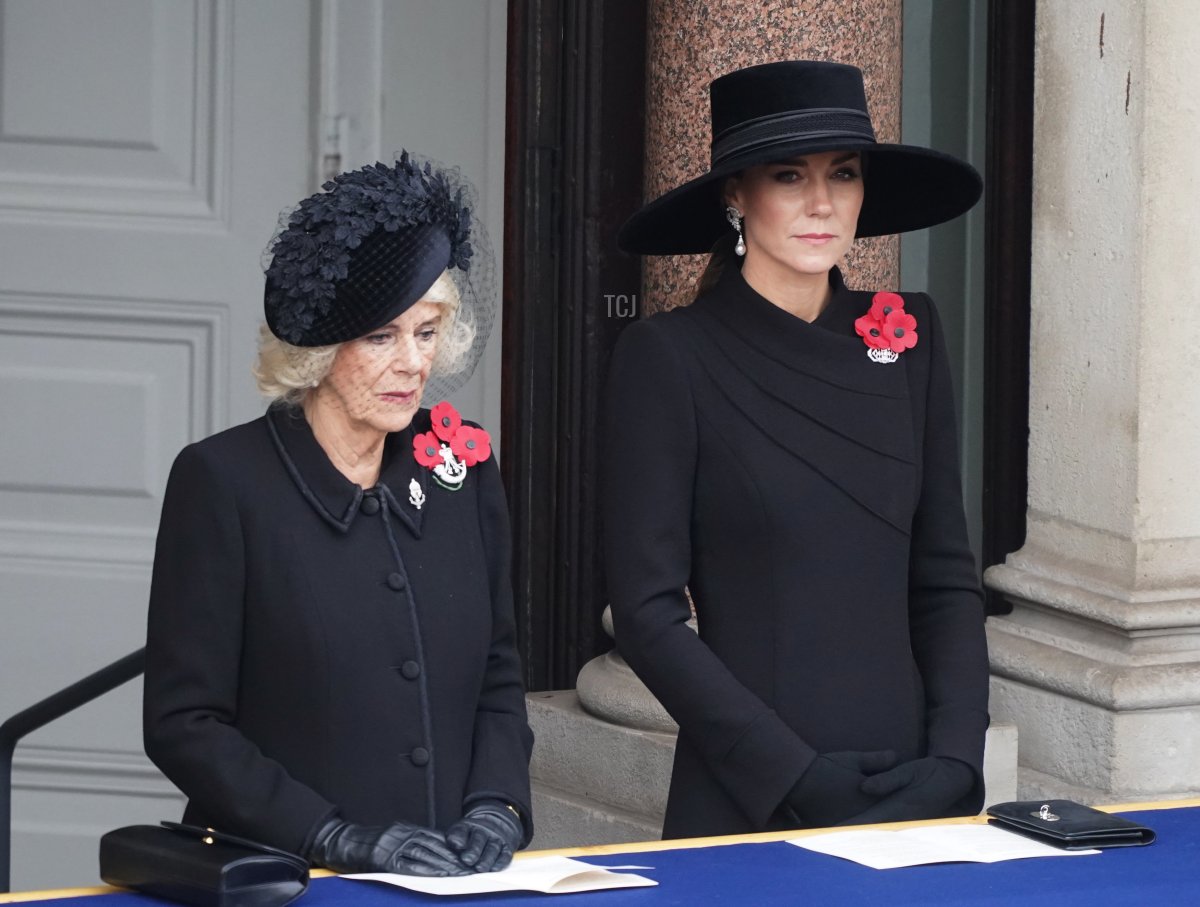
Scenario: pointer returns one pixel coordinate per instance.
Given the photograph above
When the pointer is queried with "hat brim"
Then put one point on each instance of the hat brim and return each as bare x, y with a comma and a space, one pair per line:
907, 188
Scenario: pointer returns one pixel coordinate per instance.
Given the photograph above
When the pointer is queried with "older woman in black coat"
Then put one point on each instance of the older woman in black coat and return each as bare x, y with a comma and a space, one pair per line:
331, 660
784, 448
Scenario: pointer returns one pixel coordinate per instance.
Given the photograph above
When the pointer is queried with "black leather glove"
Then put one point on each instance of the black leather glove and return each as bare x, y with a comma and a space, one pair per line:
921, 789
399, 847
487, 836
830, 791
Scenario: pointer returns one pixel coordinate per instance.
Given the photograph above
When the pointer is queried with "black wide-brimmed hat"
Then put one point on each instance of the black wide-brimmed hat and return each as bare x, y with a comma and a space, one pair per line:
352, 257
778, 111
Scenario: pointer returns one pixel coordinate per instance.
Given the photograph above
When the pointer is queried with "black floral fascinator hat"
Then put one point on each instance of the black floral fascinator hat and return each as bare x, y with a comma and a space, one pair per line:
777, 111
352, 257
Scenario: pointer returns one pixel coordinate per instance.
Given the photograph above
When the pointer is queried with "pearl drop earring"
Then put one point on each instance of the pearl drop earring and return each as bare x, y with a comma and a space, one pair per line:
735, 217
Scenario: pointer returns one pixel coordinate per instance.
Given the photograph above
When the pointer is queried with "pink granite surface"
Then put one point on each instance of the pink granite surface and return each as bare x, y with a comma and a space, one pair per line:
691, 42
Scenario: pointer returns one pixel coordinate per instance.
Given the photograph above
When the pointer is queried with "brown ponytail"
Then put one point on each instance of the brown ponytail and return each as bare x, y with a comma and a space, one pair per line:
719, 257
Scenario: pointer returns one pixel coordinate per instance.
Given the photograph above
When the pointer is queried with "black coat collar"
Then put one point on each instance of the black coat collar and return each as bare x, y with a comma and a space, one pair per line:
826, 348
334, 497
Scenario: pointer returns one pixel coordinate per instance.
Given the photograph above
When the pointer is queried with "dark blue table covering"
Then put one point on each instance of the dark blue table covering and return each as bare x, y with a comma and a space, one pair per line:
1166, 872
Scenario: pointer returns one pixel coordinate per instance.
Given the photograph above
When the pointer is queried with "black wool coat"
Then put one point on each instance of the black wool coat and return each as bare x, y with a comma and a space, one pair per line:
315, 647
809, 499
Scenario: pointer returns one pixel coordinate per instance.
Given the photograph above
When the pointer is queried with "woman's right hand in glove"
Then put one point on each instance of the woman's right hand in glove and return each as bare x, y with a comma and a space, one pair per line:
399, 847
829, 790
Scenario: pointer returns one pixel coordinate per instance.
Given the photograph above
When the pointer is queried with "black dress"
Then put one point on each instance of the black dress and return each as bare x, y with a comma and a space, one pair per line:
809, 499
313, 647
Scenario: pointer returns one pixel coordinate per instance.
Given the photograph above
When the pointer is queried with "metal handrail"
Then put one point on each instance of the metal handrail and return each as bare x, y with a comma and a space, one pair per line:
42, 713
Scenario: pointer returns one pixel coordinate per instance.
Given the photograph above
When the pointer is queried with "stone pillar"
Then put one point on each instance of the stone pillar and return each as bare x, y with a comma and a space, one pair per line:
692, 42
1099, 663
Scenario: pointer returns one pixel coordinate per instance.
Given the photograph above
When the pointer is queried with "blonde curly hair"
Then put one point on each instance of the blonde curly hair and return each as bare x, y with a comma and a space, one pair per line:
287, 374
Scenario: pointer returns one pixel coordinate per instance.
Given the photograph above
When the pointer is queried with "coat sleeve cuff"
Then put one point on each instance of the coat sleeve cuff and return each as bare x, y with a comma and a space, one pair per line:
763, 765
522, 810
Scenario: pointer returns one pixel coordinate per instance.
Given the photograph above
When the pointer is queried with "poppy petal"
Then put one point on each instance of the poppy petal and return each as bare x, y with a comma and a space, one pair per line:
427, 449
446, 420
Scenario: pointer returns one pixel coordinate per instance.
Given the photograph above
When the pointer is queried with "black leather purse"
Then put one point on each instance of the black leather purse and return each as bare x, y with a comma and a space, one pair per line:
201, 867
1067, 824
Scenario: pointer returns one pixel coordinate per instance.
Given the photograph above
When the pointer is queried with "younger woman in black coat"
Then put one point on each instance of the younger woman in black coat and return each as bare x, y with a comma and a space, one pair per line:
331, 659
785, 449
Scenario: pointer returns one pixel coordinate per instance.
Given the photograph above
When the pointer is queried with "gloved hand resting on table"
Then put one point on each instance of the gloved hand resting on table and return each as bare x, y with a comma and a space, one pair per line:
831, 790
486, 838
399, 847
921, 789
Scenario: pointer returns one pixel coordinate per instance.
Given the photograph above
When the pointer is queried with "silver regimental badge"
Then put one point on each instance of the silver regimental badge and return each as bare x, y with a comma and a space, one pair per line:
416, 496
451, 471
883, 357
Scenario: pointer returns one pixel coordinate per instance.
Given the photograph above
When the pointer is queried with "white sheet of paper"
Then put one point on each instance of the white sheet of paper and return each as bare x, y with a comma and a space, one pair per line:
883, 849
549, 875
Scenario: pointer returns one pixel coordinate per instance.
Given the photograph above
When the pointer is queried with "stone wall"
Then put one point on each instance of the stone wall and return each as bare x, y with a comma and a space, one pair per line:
1099, 663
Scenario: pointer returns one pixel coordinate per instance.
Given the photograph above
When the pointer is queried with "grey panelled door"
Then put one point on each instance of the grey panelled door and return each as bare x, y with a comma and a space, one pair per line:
146, 147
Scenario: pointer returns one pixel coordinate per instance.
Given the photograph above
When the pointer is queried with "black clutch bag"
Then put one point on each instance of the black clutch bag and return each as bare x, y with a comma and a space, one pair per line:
201, 867
1067, 824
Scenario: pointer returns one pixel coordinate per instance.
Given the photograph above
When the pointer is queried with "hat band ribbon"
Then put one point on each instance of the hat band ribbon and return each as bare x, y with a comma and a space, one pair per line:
819, 124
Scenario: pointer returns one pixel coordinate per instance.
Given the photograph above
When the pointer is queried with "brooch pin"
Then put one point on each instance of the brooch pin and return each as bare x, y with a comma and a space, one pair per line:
416, 496
450, 448
887, 329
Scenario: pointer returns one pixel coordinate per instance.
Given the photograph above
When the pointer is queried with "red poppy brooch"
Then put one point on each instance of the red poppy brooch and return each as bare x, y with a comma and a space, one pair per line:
887, 329
450, 448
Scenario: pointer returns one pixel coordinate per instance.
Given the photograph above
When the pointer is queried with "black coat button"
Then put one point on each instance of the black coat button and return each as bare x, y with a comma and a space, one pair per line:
396, 581
420, 756
410, 670
370, 505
